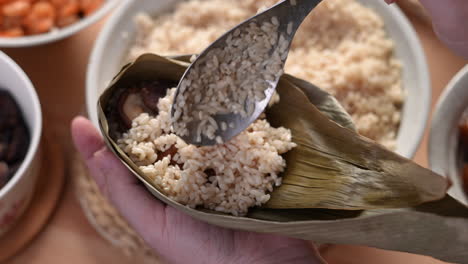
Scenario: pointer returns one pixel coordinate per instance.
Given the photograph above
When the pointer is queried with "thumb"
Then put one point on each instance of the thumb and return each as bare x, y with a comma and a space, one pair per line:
136, 204
450, 18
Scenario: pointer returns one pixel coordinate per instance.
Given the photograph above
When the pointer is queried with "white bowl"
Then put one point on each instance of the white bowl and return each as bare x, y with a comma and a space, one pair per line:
59, 34
16, 194
117, 36
443, 140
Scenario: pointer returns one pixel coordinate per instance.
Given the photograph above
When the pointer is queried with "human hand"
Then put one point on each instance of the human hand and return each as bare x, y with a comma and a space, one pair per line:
177, 237
450, 18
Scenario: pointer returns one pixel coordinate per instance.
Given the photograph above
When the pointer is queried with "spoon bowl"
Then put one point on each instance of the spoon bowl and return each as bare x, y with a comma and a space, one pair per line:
287, 16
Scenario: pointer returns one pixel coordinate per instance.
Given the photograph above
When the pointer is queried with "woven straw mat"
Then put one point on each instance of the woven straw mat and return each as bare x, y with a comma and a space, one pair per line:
106, 220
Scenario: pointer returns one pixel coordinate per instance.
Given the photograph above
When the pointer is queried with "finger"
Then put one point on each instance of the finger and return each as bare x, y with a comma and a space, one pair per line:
89, 143
318, 254
144, 213
449, 19
116, 182
97, 157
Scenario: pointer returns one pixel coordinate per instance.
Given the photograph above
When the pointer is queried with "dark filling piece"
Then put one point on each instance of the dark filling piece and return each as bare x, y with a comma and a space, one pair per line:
14, 137
209, 172
170, 151
127, 102
463, 137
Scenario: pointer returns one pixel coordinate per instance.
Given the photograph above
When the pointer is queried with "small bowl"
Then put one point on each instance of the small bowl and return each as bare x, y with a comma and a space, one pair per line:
16, 194
443, 140
59, 34
118, 34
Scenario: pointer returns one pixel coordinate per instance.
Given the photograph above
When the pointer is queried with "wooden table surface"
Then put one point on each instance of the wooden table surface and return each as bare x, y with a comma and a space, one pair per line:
58, 72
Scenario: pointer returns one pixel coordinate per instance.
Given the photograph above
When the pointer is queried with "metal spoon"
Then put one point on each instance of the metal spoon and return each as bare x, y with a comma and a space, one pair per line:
286, 11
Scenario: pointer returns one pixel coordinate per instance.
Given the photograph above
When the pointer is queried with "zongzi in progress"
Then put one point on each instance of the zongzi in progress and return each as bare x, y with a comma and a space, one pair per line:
292, 157
228, 177
303, 152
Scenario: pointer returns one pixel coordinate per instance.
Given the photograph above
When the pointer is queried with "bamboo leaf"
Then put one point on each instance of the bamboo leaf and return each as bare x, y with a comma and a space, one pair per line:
334, 167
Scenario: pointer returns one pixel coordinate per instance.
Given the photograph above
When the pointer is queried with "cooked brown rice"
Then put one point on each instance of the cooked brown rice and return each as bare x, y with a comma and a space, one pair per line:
342, 47
229, 177
230, 79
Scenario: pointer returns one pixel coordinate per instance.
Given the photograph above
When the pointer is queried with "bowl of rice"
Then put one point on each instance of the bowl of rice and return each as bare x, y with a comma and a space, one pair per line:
363, 52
